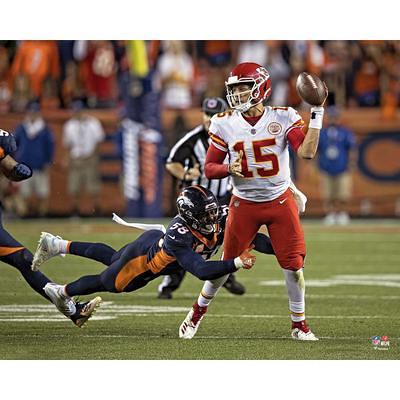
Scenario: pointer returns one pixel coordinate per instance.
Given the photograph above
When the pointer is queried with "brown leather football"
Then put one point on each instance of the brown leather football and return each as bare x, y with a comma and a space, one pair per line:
311, 89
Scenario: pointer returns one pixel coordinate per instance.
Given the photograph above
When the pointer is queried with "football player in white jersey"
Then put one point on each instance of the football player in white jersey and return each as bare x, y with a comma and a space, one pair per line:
256, 140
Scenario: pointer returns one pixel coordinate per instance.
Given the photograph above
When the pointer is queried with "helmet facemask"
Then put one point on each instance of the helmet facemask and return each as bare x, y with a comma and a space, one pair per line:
234, 99
258, 92
205, 222
208, 222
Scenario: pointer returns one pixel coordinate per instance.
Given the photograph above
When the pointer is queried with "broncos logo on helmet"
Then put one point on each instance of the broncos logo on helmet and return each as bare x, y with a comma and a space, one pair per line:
199, 208
184, 201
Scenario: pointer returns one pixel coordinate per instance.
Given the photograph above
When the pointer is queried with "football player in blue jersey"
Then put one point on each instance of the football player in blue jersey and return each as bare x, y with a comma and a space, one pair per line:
17, 255
191, 239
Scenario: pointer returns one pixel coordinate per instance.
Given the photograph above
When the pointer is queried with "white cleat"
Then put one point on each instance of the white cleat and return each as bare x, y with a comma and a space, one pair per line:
301, 331
47, 248
191, 323
65, 304
298, 334
84, 311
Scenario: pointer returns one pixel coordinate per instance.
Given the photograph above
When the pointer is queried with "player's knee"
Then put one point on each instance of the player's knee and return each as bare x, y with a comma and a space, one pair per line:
109, 283
293, 262
22, 259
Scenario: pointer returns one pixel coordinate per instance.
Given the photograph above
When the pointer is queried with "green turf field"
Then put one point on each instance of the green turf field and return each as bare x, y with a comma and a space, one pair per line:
353, 293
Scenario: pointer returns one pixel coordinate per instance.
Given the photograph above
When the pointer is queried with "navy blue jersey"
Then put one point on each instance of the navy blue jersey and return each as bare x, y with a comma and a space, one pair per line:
156, 253
179, 234
183, 247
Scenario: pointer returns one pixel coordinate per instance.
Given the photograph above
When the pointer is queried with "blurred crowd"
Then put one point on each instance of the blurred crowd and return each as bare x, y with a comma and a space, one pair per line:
106, 74
140, 79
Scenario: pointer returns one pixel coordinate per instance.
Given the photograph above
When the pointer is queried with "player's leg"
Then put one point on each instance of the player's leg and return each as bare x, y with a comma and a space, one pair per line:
50, 246
191, 323
77, 312
100, 252
15, 254
123, 275
288, 242
22, 260
103, 282
118, 277
231, 284
169, 284
114, 279
241, 227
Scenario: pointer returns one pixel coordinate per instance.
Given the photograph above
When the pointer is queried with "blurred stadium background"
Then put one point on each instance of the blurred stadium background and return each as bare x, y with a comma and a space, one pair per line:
161, 85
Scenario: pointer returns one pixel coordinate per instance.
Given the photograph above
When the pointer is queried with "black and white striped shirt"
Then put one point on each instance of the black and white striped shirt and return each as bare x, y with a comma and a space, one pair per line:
191, 149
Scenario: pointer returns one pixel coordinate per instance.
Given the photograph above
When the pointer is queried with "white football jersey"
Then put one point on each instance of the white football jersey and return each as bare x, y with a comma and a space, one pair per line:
265, 162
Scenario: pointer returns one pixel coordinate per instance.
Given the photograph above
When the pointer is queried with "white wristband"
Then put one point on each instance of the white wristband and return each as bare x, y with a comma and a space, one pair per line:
238, 262
317, 116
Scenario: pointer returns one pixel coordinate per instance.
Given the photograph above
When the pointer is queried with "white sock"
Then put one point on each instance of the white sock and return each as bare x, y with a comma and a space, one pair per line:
209, 290
64, 291
295, 286
63, 245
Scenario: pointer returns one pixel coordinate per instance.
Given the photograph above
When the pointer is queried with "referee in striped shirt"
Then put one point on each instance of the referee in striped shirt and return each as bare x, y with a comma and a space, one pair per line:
185, 162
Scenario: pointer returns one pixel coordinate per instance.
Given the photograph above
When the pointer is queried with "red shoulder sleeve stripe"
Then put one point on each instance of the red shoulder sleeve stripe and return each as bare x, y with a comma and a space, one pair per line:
295, 137
298, 124
218, 140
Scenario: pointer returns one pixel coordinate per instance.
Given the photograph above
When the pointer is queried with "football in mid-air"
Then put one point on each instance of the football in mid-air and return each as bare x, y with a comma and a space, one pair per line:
311, 89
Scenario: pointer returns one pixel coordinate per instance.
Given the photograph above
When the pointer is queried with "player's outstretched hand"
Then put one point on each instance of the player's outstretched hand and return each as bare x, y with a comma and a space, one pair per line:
236, 167
246, 260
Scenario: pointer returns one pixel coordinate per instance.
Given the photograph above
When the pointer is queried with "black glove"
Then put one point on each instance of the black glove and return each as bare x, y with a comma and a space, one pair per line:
20, 172
7, 143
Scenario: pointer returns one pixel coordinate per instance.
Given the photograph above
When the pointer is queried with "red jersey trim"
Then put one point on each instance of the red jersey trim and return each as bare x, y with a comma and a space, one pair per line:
217, 140
295, 137
298, 124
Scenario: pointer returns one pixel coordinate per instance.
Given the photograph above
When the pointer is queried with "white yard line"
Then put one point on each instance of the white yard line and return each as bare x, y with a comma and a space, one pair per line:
180, 295
50, 319
127, 313
110, 336
109, 310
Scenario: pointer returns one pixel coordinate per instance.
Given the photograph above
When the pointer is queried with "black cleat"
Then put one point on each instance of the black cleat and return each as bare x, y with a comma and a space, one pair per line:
165, 294
84, 311
233, 286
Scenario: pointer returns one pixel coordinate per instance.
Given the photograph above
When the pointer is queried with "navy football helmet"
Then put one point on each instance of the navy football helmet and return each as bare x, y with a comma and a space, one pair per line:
199, 208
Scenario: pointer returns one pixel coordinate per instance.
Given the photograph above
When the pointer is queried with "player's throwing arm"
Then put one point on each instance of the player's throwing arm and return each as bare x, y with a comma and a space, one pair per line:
314, 92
